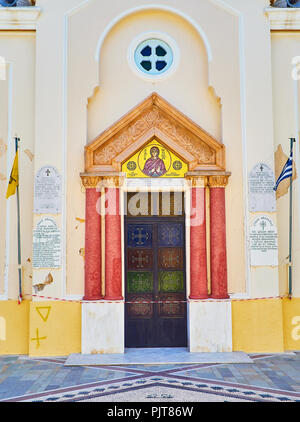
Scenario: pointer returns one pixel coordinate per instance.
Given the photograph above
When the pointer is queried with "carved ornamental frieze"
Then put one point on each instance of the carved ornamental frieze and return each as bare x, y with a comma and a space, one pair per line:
155, 118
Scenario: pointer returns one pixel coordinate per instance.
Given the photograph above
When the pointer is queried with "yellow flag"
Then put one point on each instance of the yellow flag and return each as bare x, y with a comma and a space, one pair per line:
14, 178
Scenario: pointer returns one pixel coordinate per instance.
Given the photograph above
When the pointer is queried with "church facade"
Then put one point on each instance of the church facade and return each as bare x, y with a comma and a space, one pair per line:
151, 138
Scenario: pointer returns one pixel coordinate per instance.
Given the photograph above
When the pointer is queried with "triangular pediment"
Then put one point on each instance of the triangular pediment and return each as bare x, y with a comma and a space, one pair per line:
154, 117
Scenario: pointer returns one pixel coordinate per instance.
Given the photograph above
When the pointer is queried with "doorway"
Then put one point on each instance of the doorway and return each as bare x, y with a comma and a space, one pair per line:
155, 279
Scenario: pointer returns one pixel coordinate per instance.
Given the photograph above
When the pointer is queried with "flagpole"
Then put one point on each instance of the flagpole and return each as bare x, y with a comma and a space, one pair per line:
17, 140
292, 140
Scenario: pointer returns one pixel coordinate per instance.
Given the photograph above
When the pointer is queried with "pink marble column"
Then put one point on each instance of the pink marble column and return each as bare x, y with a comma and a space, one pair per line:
92, 246
113, 251
218, 255
198, 252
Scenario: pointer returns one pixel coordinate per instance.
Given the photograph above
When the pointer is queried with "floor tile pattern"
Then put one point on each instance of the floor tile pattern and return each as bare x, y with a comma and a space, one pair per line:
270, 378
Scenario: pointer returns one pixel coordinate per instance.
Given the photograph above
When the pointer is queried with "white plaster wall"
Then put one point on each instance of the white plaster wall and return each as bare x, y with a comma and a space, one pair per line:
16, 118
286, 104
238, 60
3, 174
186, 88
239, 70
50, 121
193, 102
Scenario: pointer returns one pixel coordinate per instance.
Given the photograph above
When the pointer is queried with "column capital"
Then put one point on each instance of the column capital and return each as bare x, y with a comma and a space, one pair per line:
197, 181
220, 181
90, 182
113, 181
102, 180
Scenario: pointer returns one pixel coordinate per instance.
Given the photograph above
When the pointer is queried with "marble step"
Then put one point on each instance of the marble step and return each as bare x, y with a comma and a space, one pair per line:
157, 357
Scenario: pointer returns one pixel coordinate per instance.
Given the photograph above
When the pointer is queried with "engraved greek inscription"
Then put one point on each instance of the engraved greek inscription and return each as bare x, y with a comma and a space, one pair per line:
47, 245
263, 242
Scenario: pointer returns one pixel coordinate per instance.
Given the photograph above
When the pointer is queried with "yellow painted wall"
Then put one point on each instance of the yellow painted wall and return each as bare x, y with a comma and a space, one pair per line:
14, 328
291, 323
55, 328
257, 326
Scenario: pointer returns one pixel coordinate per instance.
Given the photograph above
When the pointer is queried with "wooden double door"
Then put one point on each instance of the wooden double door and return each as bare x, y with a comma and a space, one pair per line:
155, 274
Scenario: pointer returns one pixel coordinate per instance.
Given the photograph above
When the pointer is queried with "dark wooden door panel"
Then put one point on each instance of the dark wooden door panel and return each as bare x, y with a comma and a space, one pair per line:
171, 332
140, 335
155, 272
139, 259
170, 234
139, 235
170, 258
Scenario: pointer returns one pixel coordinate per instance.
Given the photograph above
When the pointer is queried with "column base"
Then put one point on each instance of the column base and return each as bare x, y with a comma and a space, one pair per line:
113, 298
88, 298
199, 297
220, 297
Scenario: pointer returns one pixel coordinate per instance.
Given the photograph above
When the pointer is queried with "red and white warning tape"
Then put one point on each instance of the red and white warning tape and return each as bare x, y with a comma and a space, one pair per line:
154, 301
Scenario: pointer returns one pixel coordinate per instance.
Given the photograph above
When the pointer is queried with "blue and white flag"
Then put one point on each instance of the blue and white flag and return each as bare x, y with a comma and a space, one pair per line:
286, 172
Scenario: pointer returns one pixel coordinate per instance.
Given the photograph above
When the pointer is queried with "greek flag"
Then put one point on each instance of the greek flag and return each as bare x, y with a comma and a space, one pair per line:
286, 172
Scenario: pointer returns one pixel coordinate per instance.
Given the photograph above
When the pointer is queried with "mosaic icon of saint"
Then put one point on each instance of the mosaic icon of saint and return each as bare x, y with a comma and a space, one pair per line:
154, 166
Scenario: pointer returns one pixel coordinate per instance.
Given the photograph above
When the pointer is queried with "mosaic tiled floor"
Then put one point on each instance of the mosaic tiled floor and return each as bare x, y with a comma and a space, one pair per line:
270, 378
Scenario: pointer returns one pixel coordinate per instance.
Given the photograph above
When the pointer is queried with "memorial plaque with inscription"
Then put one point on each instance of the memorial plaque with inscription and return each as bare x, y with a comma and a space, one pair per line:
47, 191
263, 242
261, 189
47, 245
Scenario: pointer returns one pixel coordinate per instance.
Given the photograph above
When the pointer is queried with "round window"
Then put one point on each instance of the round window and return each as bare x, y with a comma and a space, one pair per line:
153, 56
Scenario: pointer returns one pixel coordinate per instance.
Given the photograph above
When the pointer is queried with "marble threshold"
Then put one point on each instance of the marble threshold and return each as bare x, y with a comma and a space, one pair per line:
156, 356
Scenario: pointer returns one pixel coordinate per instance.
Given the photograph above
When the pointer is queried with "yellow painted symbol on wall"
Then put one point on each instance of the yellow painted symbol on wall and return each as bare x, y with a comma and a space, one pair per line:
38, 338
43, 312
154, 160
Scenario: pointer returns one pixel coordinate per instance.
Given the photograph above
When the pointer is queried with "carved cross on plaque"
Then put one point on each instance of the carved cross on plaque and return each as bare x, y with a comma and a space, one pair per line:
263, 225
48, 172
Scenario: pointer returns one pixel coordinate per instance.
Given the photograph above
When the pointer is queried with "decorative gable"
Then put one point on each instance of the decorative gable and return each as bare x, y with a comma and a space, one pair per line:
154, 118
